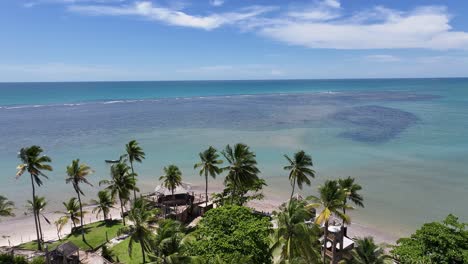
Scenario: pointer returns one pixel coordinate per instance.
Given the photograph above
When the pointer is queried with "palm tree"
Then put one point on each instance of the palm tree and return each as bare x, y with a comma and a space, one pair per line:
140, 231
168, 242
6, 207
33, 162
209, 159
103, 204
135, 153
72, 212
351, 190
172, 178
299, 170
331, 200
294, 239
59, 224
36, 207
367, 252
77, 174
121, 184
242, 168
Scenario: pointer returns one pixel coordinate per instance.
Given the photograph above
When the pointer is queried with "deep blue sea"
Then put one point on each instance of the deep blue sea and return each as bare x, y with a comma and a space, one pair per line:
404, 140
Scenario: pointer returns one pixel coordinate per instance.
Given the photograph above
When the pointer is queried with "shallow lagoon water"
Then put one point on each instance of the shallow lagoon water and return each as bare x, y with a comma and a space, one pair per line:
404, 140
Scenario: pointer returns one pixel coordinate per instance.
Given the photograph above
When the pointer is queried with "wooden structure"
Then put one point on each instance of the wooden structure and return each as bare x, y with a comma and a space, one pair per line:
338, 246
66, 253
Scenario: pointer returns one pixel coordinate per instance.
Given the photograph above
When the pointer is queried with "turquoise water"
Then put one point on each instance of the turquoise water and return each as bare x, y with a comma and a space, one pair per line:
404, 139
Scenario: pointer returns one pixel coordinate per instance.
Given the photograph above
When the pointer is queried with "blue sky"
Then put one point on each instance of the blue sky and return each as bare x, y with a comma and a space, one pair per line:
87, 40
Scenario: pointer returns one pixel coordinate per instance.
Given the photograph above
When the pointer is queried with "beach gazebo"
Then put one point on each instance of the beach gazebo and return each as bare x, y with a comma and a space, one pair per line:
66, 253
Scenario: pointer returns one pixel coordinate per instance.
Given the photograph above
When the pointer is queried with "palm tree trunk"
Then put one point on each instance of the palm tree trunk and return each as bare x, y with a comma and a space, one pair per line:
344, 211
142, 250
325, 240
39, 247
81, 217
206, 191
40, 226
133, 175
293, 186
122, 210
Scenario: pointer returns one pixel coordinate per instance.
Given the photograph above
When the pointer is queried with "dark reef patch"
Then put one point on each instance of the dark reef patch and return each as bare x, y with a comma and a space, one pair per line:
374, 124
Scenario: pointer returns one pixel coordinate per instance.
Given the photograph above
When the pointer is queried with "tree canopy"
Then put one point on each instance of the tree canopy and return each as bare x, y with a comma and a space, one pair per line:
229, 233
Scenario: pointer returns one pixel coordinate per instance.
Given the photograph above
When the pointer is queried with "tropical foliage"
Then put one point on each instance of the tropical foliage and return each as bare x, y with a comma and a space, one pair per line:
77, 174
437, 242
72, 212
367, 252
351, 190
33, 162
37, 206
167, 243
172, 177
229, 233
300, 169
294, 240
103, 204
6, 207
134, 153
209, 161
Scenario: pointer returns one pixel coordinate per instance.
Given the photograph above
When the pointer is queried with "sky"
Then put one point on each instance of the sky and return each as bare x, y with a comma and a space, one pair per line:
117, 40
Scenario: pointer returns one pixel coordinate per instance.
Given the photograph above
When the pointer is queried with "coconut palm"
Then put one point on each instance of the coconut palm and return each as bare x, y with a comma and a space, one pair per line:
331, 201
103, 204
72, 212
77, 174
59, 224
167, 242
299, 170
172, 178
33, 162
295, 240
351, 190
37, 207
121, 185
367, 252
6, 207
140, 231
242, 168
134, 153
209, 159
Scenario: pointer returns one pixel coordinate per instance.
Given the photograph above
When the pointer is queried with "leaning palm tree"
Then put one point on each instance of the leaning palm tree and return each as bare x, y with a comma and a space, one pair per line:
367, 252
103, 204
331, 201
294, 239
209, 159
37, 206
351, 190
242, 168
72, 212
59, 224
6, 207
121, 185
34, 163
134, 153
299, 170
140, 231
77, 174
172, 178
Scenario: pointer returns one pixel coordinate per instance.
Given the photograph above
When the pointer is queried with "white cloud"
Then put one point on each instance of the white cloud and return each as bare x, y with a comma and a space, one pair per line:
173, 17
317, 11
382, 58
426, 27
333, 3
217, 2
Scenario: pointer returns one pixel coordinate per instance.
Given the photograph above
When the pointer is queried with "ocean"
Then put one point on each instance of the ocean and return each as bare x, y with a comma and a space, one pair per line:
404, 140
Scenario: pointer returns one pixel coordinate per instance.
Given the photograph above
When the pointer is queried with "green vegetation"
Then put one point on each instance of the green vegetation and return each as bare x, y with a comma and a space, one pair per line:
351, 190
103, 204
37, 207
122, 255
134, 153
437, 242
367, 252
172, 177
96, 234
33, 162
231, 232
77, 174
6, 207
209, 161
300, 168
72, 212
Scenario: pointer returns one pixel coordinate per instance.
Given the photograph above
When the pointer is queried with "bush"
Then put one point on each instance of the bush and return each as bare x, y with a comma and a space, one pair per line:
10, 259
229, 233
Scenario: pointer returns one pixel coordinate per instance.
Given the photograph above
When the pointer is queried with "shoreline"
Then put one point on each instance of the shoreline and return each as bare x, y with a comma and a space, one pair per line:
20, 229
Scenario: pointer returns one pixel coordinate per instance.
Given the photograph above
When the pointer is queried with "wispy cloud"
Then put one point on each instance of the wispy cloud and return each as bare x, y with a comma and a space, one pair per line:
173, 17
217, 2
382, 58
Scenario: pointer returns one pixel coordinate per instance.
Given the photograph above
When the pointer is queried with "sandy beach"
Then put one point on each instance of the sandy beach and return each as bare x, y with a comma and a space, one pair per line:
14, 231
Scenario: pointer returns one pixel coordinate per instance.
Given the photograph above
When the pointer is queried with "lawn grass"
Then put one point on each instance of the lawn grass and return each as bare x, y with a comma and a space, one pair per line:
95, 234
121, 252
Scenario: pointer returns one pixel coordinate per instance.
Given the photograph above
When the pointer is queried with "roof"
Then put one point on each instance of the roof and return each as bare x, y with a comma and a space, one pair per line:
183, 188
67, 249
